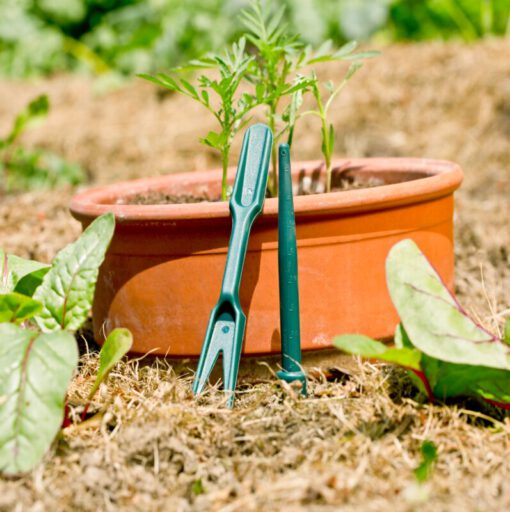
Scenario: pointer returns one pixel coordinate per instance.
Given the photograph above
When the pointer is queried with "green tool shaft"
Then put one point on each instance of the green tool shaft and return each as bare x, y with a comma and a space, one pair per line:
288, 267
238, 245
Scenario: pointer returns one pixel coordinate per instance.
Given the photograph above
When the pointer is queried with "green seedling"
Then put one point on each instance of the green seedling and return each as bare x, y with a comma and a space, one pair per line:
24, 169
277, 72
220, 95
447, 353
424, 470
116, 346
323, 106
38, 350
268, 73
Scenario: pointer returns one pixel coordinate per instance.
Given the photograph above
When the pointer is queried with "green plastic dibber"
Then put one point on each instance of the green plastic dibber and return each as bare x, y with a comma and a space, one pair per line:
225, 331
288, 275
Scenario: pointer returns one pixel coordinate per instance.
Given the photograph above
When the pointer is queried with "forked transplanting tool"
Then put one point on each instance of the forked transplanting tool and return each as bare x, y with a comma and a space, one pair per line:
288, 275
225, 330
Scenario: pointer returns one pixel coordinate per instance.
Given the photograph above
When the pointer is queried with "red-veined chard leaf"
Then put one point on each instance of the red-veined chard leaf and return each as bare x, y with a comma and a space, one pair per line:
35, 370
431, 316
447, 353
68, 288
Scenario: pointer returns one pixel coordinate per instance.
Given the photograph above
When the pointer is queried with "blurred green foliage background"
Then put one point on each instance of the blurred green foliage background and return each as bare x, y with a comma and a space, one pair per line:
128, 36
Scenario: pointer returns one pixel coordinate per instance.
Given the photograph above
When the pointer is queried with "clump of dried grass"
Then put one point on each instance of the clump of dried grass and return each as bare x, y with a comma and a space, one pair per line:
353, 443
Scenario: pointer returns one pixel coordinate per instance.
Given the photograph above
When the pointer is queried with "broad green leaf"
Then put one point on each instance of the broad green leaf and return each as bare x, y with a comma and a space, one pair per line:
115, 347
431, 316
428, 460
14, 269
68, 288
364, 346
35, 370
30, 282
16, 308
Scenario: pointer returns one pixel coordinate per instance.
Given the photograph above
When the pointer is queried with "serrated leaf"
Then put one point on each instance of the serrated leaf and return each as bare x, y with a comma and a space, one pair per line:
68, 288
357, 344
35, 370
346, 49
116, 346
213, 139
189, 88
15, 307
13, 269
431, 316
353, 68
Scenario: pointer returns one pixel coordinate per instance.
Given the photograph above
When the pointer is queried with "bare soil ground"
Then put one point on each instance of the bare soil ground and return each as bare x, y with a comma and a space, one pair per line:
354, 443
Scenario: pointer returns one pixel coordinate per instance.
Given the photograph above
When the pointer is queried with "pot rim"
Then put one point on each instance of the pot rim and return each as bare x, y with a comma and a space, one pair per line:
444, 177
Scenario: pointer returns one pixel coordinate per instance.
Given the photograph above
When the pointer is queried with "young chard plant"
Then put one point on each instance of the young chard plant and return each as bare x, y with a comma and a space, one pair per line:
230, 107
446, 352
41, 307
22, 168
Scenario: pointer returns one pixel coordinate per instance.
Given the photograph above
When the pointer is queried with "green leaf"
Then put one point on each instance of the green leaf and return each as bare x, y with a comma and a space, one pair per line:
35, 370
116, 346
346, 49
431, 316
331, 139
197, 487
428, 460
506, 335
36, 109
14, 269
362, 55
16, 308
189, 88
353, 68
30, 282
68, 288
214, 140
357, 344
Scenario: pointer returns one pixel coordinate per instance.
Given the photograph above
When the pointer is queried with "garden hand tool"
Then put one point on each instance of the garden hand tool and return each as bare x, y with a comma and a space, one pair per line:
288, 275
225, 330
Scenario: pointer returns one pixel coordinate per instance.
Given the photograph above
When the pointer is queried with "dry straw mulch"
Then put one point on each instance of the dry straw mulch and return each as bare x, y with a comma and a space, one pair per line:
354, 443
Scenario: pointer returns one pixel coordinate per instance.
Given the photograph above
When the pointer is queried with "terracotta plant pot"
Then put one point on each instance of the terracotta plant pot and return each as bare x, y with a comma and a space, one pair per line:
163, 271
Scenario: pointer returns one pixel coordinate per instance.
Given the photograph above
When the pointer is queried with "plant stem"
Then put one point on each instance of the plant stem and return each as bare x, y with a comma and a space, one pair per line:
225, 153
273, 185
329, 171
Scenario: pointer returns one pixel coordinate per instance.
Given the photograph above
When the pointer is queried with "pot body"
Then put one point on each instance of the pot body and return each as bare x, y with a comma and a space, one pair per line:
163, 271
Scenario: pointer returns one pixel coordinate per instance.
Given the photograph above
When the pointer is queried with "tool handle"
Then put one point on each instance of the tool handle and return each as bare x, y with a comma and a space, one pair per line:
288, 266
246, 202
